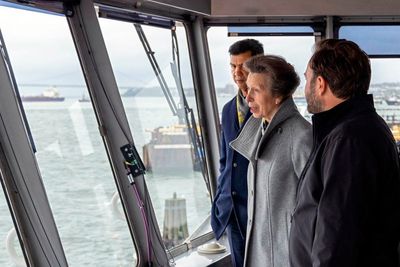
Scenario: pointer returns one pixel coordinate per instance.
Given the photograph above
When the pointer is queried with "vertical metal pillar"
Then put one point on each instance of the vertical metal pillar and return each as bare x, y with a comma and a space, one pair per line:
329, 28
23, 185
115, 131
205, 94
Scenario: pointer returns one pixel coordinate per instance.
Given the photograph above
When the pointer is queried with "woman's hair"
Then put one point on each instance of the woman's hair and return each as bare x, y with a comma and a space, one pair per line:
283, 78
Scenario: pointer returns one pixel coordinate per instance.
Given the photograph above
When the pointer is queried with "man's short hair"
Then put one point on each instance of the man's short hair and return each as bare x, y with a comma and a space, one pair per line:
243, 46
345, 67
283, 78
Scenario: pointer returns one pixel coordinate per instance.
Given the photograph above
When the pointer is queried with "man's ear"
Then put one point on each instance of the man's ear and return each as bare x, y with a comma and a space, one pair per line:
321, 86
278, 100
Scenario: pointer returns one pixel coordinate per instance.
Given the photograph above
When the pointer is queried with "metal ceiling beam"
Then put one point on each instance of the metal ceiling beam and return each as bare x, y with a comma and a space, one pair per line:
304, 8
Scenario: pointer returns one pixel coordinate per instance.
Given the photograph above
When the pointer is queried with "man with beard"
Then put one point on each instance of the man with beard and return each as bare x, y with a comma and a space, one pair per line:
347, 208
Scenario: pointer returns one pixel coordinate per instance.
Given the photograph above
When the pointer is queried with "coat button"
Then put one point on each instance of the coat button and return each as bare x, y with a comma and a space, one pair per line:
233, 193
249, 221
252, 192
234, 165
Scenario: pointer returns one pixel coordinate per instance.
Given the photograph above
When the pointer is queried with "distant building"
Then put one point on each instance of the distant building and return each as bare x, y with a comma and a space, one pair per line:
228, 90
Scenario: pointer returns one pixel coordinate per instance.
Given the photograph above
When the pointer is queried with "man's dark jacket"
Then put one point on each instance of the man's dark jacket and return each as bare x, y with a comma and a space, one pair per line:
231, 193
348, 198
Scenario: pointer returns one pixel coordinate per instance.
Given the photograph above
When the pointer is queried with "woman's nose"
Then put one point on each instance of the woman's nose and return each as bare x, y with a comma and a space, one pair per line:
248, 96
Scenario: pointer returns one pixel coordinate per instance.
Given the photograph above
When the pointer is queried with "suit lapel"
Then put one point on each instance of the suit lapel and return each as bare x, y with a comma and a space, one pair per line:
233, 111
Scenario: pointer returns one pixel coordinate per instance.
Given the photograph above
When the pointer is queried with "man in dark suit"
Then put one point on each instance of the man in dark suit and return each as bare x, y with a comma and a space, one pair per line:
229, 209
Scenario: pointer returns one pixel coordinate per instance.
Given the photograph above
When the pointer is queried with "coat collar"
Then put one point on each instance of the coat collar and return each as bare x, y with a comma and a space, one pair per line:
247, 140
324, 122
250, 141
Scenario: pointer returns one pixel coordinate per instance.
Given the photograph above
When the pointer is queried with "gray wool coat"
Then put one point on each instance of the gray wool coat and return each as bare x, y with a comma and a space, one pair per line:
276, 161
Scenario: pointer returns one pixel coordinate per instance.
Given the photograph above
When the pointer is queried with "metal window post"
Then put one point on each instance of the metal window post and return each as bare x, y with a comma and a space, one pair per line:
205, 93
114, 128
23, 185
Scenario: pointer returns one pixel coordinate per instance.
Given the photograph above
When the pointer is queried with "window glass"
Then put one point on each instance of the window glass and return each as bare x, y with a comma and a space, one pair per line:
270, 30
219, 43
70, 153
385, 87
173, 161
374, 40
10, 249
385, 84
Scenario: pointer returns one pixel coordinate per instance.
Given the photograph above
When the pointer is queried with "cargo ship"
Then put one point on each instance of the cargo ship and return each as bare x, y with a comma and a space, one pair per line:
49, 95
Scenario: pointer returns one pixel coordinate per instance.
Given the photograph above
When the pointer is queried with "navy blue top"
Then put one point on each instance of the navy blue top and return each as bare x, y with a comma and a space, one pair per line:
232, 182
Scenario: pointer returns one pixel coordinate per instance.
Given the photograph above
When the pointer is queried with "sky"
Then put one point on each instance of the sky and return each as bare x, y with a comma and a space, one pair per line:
42, 52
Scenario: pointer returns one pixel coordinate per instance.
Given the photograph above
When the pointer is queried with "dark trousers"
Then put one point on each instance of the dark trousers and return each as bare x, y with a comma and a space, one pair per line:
236, 242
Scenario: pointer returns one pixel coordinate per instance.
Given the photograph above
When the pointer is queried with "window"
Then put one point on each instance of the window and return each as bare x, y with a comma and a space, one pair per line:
380, 43
270, 31
10, 250
219, 43
376, 41
162, 137
70, 153
385, 87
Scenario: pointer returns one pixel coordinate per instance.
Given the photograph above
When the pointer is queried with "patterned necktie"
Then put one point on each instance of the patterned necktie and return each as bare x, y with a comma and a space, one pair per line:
241, 108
